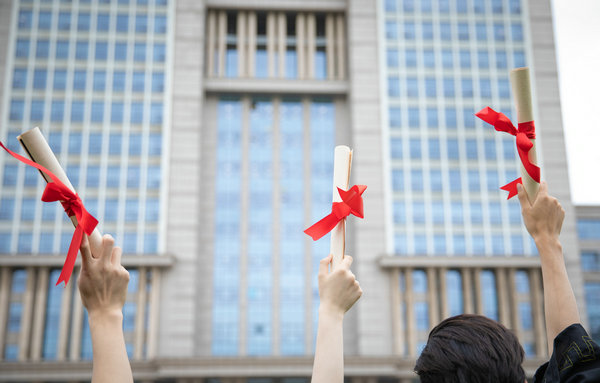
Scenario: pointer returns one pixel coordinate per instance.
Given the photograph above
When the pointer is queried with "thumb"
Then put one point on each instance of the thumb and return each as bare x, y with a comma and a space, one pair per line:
346, 262
523, 197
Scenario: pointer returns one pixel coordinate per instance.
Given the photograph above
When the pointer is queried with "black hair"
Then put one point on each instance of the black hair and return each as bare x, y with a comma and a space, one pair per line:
471, 349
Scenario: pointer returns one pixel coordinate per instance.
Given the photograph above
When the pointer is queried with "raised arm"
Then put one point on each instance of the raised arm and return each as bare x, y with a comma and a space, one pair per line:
103, 288
338, 291
543, 219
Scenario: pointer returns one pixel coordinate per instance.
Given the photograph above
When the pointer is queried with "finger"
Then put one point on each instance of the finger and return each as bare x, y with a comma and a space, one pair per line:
116, 256
324, 265
108, 244
346, 262
86, 253
522, 193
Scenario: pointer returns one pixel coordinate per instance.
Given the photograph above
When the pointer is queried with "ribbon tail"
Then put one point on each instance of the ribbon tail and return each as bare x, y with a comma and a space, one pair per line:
324, 226
532, 169
67, 269
511, 187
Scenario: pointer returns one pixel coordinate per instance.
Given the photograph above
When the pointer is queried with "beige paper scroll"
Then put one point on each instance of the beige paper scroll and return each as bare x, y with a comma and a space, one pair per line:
341, 177
521, 87
39, 151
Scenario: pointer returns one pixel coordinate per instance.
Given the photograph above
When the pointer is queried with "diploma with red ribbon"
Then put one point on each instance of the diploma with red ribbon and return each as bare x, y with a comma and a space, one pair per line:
525, 133
57, 190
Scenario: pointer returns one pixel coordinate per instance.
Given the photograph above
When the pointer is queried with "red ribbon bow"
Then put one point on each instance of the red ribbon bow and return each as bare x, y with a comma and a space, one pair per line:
525, 133
58, 191
352, 203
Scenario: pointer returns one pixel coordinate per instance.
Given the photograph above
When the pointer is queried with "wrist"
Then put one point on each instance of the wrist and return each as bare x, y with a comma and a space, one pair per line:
330, 311
547, 241
108, 316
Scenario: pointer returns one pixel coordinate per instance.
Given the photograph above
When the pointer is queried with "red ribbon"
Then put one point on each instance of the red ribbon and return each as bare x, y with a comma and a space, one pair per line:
58, 191
352, 203
525, 133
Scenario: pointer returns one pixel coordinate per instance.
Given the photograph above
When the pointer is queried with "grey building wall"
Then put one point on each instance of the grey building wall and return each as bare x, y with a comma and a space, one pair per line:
184, 284
5, 21
548, 120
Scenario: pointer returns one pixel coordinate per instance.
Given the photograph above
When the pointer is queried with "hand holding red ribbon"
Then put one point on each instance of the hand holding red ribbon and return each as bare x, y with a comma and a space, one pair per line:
58, 191
525, 133
352, 203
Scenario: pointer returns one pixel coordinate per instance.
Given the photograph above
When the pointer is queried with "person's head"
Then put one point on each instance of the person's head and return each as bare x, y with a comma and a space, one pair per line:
471, 348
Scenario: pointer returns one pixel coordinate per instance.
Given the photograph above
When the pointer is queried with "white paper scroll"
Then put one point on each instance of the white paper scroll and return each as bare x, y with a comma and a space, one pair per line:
341, 177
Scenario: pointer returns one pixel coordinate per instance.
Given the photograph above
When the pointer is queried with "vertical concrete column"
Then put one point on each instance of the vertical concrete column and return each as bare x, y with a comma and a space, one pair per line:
513, 302
77, 325
467, 288
221, 42
434, 298
5, 282
281, 44
140, 315
443, 297
503, 303
65, 321
311, 32
211, 44
251, 39
340, 45
301, 45
330, 45
411, 327
271, 44
396, 302
151, 346
27, 315
39, 316
477, 285
241, 43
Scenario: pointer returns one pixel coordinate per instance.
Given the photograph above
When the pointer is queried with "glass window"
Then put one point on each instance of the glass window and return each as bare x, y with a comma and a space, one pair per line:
439, 240
139, 52
432, 118
122, 22
429, 58
481, 31
508, 147
461, 6
495, 212
39, 78
393, 86
44, 20
99, 80
138, 81
445, 31
590, 261
79, 78
137, 112
97, 111
81, 50
77, 111
483, 59
412, 87
515, 6
7, 208
119, 81
499, 33
588, 228
391, 30
435, 179
395, 117
156, 113
478, 244
135, 144
62, 49
516, 242
415, 148
485, 87
416, 180
399, 212
154, 177
133, 176
93, 176
450, 118
392, 58
410, 56
397, 180
408, 6
519, 59
469, 118
22, 50
160, 24
16, 110
115, 141
25, 19
501, 59
447, 58
457, 211
120, 51
152, 209
64, 21
42, 49
101, 50
419, 217
37, 110
448, 87
113, 175
396, 148
158, 82
103, 22
516, 31
427, 29
159, 53
19, 78
467, 87
504, 88
473, 180
459, 244
465, 59
131, 210
430, 87
413, 117
57, 111
453, 148
471, 145
83, 21
492, 180
463, 31
409, 31
391, 5
141, 23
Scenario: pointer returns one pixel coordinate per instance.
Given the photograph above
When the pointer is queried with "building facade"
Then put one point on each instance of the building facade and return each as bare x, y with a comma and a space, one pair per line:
201, 135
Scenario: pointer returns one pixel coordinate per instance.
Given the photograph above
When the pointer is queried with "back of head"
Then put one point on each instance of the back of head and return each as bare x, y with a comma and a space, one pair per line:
472, 349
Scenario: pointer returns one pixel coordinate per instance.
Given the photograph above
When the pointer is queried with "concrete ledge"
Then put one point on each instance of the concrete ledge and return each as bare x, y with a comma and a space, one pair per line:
277, 86
479, 261
19, 260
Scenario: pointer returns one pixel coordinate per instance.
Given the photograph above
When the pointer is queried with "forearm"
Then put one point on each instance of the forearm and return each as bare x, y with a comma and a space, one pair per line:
110, 361
559, 301
328, 366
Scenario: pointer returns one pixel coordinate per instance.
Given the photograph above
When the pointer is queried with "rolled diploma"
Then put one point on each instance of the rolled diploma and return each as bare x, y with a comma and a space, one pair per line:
39, 151
521, 87
341, 177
